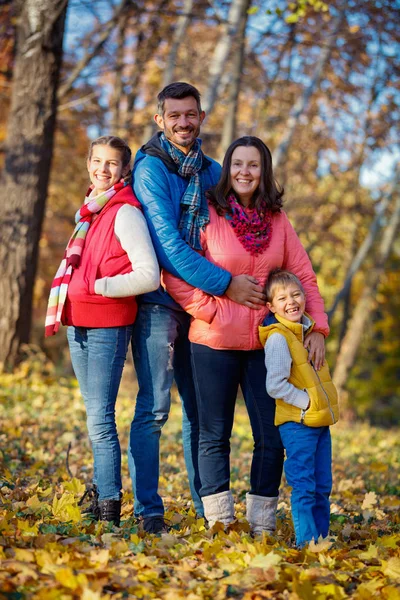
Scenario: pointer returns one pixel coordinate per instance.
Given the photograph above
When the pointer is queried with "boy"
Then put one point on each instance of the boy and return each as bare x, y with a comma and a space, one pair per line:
306, 404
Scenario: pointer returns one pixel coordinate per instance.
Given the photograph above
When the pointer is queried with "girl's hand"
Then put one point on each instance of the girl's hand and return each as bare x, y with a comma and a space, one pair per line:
315, 344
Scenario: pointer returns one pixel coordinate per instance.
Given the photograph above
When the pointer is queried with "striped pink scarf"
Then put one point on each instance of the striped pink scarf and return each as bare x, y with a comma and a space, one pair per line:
72, 255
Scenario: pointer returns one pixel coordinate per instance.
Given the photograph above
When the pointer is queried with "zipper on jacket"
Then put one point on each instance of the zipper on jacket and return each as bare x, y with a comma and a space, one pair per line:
323, 389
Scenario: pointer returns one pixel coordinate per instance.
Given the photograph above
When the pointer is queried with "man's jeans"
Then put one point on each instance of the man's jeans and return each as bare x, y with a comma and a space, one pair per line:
217, 375
308, 472
98, 357
161, 352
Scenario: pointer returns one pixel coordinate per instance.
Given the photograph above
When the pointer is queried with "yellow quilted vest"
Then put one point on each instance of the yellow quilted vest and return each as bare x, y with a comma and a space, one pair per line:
324, 407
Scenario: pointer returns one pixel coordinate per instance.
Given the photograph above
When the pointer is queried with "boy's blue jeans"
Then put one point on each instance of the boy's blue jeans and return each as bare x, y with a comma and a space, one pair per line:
98, 357
308, 472
161, 353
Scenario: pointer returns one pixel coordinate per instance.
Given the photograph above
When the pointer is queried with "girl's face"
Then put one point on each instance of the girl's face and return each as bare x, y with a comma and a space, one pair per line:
105, 167
245, 172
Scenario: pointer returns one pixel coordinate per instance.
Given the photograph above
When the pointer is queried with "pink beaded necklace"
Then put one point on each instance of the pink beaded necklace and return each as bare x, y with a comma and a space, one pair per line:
253, 229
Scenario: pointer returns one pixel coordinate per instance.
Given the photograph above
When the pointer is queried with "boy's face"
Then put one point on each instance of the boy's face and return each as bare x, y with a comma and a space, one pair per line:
288, 302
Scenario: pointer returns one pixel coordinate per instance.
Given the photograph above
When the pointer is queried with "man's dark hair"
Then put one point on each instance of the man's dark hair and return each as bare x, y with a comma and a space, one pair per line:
177, 90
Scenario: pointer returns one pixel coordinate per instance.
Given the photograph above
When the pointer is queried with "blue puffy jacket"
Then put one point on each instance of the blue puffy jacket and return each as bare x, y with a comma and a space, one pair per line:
159, 188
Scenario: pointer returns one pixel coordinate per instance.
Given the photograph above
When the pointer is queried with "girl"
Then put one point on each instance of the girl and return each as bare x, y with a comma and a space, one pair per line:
248, 233
108, 261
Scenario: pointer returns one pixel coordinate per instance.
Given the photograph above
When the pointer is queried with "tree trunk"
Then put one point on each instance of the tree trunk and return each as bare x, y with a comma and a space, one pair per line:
230, 122
221, 54
179, 35
361, 255
119, 78
362, 311
301, 104
29, 148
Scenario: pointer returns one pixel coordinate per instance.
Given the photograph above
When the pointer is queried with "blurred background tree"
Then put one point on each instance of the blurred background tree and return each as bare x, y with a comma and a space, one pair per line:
318, 82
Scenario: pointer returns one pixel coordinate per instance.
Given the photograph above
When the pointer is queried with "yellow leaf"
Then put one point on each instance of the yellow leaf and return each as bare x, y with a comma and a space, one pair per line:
26, 529
24, 555
65, 508
75, 486
368, 588
331, 591
66, 577
390, 541
100, 557
392, 568
264, 561
372, 552
36, 505
369, 500
321, 545
88, 594
390, 593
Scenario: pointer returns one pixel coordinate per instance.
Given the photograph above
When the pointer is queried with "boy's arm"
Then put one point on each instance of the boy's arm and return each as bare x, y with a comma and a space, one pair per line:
278, 363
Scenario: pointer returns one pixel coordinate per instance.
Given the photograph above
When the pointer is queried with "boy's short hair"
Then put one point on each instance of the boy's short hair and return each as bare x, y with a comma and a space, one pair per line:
177, 90
279, 278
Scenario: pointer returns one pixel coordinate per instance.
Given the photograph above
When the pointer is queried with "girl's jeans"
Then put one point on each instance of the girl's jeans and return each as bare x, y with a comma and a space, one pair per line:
217, 376
98, 357
308, 472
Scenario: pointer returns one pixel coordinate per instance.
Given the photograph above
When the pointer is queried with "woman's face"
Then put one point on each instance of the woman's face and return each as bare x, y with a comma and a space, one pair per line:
105, 167
245, 172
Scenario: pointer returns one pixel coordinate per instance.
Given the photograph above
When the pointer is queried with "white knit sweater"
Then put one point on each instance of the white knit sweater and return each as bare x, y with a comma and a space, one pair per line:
131, 230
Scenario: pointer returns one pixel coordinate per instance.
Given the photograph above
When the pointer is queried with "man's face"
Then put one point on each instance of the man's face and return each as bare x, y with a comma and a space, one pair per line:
181, 122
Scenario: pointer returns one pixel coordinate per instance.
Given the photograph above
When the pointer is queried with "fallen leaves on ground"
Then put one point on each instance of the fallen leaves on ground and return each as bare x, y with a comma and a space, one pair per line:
49, 550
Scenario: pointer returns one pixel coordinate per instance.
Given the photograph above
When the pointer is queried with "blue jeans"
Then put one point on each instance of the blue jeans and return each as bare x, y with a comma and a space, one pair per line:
217, 375
98, 357
161, 352
308, 472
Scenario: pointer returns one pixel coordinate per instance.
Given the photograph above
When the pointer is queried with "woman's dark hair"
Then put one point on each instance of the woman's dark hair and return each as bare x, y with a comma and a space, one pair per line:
269, 193
118, 144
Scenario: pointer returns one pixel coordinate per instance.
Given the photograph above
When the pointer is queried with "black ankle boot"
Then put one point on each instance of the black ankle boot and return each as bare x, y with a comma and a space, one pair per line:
110, 510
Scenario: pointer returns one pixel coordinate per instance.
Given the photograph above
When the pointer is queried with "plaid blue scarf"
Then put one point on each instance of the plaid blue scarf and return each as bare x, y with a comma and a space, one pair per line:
194, 212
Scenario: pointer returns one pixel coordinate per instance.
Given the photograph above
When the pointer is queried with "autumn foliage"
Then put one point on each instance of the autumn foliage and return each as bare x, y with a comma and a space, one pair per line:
49, 550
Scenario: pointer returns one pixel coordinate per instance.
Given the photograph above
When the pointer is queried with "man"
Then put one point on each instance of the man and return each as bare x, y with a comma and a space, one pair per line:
171, 176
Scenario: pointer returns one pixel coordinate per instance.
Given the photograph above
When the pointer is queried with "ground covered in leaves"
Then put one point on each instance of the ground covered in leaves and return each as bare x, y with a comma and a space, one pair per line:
49, 551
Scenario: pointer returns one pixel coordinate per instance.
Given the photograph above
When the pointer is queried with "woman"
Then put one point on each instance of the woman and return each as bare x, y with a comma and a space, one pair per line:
108, 261
247, 233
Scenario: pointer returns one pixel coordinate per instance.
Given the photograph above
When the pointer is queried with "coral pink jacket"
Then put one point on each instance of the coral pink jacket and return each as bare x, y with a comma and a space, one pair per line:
220, 323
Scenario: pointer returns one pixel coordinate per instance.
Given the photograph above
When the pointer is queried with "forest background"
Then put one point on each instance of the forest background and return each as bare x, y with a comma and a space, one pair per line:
319, 83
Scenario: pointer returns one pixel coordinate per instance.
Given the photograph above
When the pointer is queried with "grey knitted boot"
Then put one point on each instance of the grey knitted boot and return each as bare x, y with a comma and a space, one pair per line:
219, 507
261, 513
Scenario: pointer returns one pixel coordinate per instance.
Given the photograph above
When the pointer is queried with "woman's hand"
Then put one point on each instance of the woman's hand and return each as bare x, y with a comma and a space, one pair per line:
315, 344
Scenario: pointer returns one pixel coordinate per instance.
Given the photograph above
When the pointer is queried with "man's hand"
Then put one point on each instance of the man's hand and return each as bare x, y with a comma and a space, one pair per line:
315, 342
245, 290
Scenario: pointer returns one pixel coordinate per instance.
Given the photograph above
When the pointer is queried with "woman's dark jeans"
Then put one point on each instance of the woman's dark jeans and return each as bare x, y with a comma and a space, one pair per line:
217, 376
